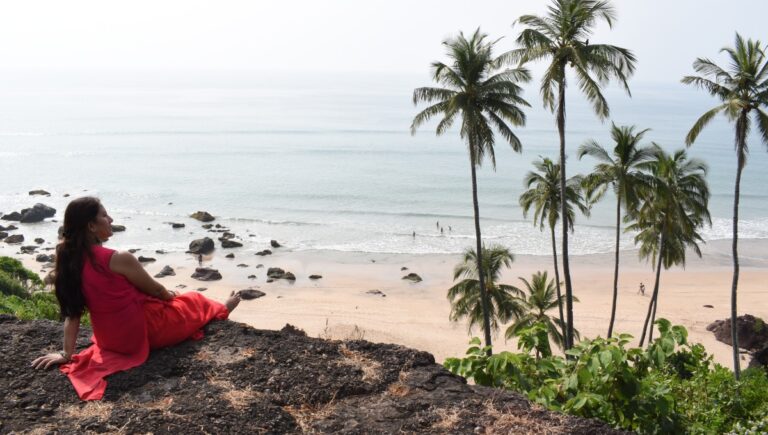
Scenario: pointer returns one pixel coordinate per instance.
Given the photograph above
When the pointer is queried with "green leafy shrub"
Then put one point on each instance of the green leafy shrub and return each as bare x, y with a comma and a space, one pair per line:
14, 269
10, 286
672, 386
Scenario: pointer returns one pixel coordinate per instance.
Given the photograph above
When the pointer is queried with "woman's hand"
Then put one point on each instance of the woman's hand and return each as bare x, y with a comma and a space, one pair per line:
45, 362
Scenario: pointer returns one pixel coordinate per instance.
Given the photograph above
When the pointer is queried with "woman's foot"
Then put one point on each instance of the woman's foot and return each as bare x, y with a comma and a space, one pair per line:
233, 301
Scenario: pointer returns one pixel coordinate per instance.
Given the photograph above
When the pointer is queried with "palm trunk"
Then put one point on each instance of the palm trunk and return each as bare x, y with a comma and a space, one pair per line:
653, 316
652, 304
480, 277
557, 281
741, 144
564, 215
616, 268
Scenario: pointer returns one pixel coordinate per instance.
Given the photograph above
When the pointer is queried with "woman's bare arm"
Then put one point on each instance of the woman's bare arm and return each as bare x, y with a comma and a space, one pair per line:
71, 327
127, 265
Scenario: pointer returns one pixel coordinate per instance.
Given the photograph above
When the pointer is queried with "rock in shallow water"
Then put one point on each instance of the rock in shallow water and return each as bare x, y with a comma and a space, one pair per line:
202, 216
202, 246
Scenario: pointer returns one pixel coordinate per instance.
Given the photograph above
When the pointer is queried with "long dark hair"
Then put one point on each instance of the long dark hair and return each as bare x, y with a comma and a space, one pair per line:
71, 253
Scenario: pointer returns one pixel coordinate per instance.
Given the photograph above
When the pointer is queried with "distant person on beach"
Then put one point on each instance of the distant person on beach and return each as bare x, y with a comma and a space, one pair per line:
414, 234
441, 230
437, 224
131, 313
200, 260
641, 291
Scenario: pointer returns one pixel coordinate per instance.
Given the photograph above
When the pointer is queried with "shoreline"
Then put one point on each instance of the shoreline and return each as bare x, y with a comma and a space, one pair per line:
338, 306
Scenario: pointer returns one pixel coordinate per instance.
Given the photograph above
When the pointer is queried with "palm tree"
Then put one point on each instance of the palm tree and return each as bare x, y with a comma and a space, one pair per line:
543, 195
538, 298
484, 97
673, 209
562, 38
619, 170
742, 88
465, 296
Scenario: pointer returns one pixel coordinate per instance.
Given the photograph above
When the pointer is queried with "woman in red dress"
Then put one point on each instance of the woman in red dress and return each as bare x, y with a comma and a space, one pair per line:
131, 313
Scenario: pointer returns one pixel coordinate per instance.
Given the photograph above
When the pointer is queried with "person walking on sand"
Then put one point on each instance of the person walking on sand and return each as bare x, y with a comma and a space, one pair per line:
414, 234
130, 312
200, 260
437, 224
641, 291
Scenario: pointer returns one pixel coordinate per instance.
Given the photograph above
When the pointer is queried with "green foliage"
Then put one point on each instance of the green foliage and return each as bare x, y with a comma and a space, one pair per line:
14, 269
11, 286
40, 305
670, 387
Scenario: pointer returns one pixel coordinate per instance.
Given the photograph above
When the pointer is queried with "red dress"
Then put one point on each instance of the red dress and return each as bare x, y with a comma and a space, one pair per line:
128, 323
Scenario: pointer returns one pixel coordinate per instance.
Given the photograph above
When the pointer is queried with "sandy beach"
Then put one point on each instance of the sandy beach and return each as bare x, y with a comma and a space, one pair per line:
338, 306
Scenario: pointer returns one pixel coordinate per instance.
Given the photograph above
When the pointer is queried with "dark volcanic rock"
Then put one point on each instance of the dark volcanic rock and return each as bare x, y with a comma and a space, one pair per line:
39, 240
412, 277
39, 192
207, 226
230, 255
243, 380
16, 238
37, 213
43, 258
751, 331
274, 244
177, 225
313, 277
377, 293
760, 359
166, 271
264, 252
206, 274
275, 272
249, 293
134, 250
118, 228
226, 243
202, 216
3, 235
202, 246
14, 216
242, 265
30, 249
143, 259
289, 276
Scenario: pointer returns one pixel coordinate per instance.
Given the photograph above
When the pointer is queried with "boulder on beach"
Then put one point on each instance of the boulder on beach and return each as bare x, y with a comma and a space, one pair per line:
30, 249
160, 251
264, 252
14, 239
313, 277
751, 331
118, 228
43, 258
8, 228
226, 236
274, 244
206, 274
207, 226
249, 294
226, 243
143, 259
275, 272
39, 192
177, 225
202, 216
13, 216
39, 240
134, 250
376, 293
37, 213
251, 276
413, 277
166, 271
202, 246
242, 265
230, 255
289, 276
3, 235
402, 269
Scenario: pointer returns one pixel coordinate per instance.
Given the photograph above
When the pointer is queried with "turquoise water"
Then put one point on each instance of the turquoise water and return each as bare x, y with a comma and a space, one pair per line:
322, 162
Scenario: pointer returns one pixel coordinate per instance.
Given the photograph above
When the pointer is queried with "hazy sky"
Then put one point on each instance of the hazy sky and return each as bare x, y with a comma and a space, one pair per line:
386, 36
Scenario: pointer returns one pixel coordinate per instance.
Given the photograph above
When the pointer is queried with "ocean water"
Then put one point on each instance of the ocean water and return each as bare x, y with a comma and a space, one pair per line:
321, 162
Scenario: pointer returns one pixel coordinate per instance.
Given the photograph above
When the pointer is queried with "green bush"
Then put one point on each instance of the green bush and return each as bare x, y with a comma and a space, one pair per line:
13, 268
10, 286
670, 387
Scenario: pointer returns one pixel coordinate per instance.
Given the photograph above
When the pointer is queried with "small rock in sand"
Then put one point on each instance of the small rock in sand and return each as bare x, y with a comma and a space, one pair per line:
376, 292
43, 258
242, 265
177, 225
249, 294
160, 251
39, 192
166, 271
274, 244
14, 239
207, 226
251, 276
201, 289
29, 249
315, 276
226, 243
14, 216
264, 252
118, 228
206, 274
201, 246
412, 277
230, 255
259, 266
39, 241
143, 259
134, 250
3, 235
403, 268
